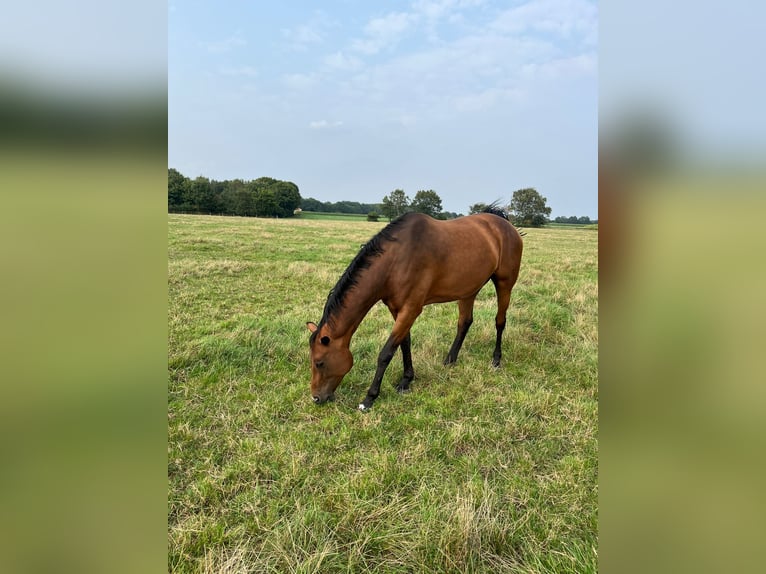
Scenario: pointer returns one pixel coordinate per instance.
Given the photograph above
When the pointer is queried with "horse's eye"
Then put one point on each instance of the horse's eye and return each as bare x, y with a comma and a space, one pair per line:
319, 364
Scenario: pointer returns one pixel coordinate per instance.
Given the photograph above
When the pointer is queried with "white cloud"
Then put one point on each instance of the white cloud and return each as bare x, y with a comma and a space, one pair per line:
341, 61
301, 37
309, 34
559, 17
487, 99
434, 9
380, 33
324, 124
246, 71
225, 45
299, 81
580, 65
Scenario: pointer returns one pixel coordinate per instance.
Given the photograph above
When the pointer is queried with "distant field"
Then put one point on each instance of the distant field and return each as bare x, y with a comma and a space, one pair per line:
320, 215
475, 470
573, 225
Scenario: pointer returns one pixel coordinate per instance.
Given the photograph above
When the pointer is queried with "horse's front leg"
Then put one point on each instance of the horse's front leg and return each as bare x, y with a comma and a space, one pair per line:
384, 358
400, 336
408, 373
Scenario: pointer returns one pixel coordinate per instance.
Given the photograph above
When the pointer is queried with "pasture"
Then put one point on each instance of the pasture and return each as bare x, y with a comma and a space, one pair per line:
475, 470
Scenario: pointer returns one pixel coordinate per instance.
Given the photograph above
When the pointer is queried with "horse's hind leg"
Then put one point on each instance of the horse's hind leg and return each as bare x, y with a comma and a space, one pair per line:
465, 319
503, 288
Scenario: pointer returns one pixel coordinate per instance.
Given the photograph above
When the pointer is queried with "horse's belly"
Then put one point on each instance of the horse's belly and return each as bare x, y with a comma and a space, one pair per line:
454, 290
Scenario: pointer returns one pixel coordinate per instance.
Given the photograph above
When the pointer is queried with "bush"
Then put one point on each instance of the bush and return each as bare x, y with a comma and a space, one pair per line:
372, 216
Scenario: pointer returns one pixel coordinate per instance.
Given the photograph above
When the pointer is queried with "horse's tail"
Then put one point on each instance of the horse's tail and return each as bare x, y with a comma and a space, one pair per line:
496, 209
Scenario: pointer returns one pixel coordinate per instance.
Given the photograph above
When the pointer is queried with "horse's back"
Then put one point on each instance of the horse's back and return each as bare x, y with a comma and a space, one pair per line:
450, 260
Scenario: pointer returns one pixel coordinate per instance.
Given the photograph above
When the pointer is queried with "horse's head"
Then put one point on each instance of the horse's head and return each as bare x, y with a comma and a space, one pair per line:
330, 361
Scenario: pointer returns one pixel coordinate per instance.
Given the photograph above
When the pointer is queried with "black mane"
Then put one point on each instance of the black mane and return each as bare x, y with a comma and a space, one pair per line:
369, 251
495, 209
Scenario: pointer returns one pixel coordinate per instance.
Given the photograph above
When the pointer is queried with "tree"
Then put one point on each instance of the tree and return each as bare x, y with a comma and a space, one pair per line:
477, 208
395, 204
266, 203
529, 207
287, 196
201, 195
427, 202
178, 189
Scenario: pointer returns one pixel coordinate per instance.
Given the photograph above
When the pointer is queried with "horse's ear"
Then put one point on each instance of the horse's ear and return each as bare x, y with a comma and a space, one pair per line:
311, 326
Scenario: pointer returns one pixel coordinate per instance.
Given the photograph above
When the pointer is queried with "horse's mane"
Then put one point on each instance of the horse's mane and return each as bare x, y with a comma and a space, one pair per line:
369, 251
495, 209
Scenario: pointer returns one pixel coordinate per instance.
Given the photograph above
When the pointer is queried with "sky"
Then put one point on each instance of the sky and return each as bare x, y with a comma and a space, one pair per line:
351, 100
700, 73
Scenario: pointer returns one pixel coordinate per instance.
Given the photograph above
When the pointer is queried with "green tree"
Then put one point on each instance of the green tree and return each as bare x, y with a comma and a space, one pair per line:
529, 207
200, 196
244, 201
178, 189
311, 204
428, 202
287, 198
477, 208
229, 196
395, 204
264, 201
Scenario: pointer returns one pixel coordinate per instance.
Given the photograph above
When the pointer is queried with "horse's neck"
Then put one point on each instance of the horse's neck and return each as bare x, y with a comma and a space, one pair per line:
355, 308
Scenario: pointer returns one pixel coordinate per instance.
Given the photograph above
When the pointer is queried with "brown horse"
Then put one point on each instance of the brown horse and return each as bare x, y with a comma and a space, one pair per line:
414, 261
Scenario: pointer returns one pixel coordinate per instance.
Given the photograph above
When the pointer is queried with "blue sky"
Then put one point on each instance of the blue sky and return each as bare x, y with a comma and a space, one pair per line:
351, 100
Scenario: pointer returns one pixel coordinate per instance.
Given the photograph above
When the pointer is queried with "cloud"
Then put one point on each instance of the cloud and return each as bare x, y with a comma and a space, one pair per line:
580, 65
486, 99
245, 71
434, 9
301, 37
434, 12
384, 32
558, 17
309, 34
324, 125
225, 45
341, 61
299, 81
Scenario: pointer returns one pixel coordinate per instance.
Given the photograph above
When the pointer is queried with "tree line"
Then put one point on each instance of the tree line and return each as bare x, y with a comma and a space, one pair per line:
527, 208
311, 204
262, 197
425, 201
269, 197
583, 219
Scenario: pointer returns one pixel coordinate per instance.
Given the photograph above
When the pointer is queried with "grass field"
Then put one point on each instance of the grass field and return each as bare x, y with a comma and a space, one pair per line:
475, 470
323, 216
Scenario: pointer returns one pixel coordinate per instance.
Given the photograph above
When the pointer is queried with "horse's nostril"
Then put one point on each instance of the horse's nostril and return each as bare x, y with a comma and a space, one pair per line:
316, 399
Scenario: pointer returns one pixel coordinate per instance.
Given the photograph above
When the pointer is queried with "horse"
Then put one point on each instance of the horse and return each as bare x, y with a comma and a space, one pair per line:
412, 262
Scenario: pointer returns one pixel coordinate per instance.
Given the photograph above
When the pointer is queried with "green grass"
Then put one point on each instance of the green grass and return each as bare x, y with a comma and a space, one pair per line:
475, 470
326, 216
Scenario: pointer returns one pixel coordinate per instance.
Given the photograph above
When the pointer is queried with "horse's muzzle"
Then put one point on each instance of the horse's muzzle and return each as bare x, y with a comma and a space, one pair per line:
319, 400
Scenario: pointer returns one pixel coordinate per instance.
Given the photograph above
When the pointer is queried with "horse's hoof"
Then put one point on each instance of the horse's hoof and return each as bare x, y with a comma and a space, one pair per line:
363, 408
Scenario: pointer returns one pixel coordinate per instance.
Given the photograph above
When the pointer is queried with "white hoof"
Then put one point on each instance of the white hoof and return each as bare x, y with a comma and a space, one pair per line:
362, 407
